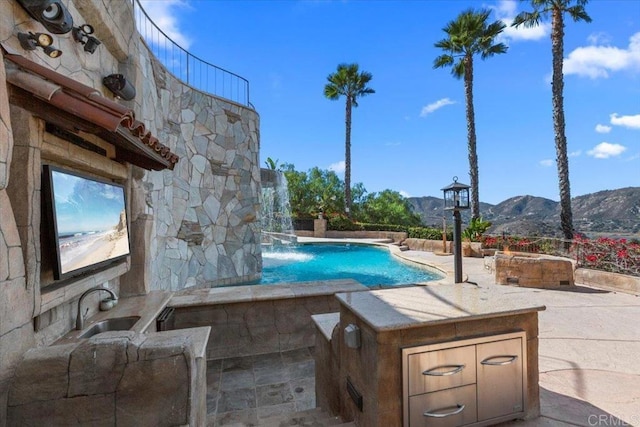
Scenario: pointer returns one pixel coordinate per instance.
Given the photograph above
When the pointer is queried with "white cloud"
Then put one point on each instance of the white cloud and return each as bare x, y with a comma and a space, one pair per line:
392, 144
599, 38
337, 167
505, 11
162, 13
546, 163
598, 61
603, 128
404, 193
632, 122
604, 150
575, 153
435, 106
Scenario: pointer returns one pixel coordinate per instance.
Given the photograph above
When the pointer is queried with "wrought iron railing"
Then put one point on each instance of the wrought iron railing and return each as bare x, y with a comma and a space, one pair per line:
613, 255
188, 68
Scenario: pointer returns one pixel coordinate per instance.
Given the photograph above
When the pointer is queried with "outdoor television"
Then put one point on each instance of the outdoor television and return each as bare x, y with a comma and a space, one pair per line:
87, 219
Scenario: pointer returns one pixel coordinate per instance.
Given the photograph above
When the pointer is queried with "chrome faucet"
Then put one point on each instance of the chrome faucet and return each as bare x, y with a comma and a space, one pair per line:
80, 316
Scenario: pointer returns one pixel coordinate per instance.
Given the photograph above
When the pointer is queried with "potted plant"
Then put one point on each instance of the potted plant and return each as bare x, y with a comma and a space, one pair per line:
473, 233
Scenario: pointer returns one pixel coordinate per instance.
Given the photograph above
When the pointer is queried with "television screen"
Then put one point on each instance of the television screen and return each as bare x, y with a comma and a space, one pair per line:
89, 221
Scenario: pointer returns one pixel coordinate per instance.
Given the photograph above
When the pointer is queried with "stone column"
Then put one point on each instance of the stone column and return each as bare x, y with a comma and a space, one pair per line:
319, 227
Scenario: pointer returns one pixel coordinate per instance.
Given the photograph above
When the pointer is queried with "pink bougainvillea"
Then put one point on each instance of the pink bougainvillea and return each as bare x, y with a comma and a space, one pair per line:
604, 253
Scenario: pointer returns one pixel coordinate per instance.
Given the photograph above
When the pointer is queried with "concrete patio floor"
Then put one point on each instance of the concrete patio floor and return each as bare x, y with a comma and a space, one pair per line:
589, 349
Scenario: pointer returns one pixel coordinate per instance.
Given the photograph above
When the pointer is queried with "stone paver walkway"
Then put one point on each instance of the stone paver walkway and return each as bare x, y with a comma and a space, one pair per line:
243, 390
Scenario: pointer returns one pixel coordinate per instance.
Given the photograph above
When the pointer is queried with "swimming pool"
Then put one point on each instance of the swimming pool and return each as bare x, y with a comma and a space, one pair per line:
368, 265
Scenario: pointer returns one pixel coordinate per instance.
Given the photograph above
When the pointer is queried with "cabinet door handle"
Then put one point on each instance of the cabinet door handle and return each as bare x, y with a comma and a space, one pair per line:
435, 373
459, 408
488, 360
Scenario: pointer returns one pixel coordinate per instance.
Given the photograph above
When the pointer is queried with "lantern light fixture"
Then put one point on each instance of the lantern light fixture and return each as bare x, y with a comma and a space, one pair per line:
456, 198
31, 41
456, 195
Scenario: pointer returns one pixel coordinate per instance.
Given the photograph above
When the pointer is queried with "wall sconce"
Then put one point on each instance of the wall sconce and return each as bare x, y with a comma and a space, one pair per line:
31, 41
82, 35
120, 86
51, 13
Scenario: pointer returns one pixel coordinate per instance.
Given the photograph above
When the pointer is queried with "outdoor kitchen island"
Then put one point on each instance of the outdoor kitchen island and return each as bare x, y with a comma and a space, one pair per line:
438, 355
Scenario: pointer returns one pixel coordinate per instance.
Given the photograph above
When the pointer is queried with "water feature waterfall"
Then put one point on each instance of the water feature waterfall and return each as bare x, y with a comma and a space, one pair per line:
275, 212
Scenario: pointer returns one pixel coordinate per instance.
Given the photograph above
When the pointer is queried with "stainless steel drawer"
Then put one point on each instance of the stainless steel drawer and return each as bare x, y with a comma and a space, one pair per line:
500, 378
451, 407
439, 370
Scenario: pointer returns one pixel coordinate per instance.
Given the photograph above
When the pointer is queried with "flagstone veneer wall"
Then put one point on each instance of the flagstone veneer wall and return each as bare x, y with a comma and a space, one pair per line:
195, 225
203, 214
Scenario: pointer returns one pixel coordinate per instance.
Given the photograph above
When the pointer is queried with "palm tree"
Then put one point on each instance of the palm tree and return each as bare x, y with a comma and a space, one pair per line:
351, 83
469, 34
557, 9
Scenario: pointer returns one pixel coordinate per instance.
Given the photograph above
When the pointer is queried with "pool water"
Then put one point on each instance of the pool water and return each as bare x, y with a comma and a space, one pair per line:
368, 265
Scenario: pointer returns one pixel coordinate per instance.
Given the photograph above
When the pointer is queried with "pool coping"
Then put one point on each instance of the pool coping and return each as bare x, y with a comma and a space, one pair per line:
253, 293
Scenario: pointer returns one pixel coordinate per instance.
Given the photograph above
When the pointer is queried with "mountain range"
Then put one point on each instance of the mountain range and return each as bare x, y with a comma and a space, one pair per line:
615, 213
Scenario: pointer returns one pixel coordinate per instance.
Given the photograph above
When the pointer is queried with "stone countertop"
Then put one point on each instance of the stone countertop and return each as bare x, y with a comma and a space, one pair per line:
199, 336
146, 306
391, 309
249, 293
325, 323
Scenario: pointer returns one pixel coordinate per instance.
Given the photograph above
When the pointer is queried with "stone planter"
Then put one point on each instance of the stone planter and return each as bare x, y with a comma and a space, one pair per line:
466, 249
533, 270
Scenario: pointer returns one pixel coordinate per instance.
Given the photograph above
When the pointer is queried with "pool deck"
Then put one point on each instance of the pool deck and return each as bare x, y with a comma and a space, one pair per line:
589, 347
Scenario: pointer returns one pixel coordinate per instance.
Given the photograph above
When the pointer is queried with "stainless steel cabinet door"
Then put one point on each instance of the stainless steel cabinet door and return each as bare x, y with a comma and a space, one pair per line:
499, 386
438, 370
446, 408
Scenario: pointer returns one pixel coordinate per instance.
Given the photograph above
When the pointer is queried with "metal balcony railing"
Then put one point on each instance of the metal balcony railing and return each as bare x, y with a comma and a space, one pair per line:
188, 68
605, 254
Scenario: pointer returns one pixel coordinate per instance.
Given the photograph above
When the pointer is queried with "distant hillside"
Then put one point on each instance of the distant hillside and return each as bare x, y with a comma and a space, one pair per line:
616, 212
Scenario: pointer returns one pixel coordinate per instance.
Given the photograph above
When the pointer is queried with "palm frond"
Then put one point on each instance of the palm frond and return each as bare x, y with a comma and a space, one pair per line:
527, 19
578, 13
469, 34
458, 69
348, 81
331, 92
443, 61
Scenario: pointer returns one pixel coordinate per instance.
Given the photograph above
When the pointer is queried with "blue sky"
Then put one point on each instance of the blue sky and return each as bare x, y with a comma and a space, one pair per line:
410, 136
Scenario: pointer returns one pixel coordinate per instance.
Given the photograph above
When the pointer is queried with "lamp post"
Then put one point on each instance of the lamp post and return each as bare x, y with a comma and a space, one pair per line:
456, 198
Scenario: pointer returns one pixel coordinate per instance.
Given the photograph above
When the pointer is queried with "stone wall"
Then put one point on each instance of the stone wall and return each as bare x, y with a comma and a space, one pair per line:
16, 299
428, 245
195, 225
119, 378
396, 236
258, 319
258, 327
610, 281
204, 212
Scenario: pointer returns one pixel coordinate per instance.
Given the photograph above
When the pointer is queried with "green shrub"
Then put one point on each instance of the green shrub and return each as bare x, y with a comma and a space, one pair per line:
342, 223
384, 227
428, 233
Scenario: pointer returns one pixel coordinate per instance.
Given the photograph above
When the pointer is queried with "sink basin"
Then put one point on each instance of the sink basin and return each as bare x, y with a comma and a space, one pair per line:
114, 324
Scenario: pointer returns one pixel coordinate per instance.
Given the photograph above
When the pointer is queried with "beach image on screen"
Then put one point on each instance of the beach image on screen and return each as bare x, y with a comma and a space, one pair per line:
91, 221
